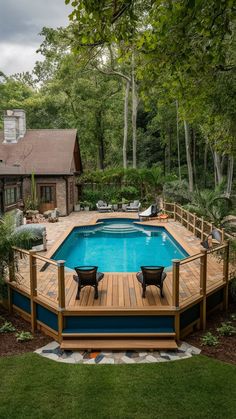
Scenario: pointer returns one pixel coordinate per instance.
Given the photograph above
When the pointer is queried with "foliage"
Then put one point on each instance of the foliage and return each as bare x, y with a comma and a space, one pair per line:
226, 329
233, 289
9, 238
31, 202
129, 193
177, 191
7, 327
24, 336
209, 340
184, 71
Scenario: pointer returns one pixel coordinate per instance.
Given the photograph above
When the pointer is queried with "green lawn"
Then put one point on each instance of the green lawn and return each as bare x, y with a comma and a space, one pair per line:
34, 387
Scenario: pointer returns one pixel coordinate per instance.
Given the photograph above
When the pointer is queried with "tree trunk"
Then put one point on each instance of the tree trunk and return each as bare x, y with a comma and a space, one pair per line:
188, 156
134, 114
169, 152
205, 164
100, 137
194, 155
218, 167
126, 115
230, 173
177, 138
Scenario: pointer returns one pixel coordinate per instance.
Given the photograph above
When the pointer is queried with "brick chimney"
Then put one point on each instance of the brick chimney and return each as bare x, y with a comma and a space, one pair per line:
14, 126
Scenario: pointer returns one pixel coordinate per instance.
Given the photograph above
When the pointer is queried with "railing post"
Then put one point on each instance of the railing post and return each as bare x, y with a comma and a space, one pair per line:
175, 282
187, 220
33, 288
61, 296
226, 275
194, 224
203, 286
181, 214
11, 279
202, 229
222, 235
174, 211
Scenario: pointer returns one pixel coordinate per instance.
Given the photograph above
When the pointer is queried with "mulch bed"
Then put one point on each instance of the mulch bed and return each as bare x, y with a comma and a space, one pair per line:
8, 342
226, 349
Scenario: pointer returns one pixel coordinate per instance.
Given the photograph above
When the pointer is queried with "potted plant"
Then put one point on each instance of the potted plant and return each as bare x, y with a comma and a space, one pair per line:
86, 205
77, 206
114, 205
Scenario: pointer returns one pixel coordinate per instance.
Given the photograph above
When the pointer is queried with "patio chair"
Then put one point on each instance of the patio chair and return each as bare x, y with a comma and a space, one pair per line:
213, 237
151, 275
103, 207
134, 206
87, 276
150, 212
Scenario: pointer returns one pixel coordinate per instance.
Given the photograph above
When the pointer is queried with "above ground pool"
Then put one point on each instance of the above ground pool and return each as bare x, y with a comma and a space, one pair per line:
119, 245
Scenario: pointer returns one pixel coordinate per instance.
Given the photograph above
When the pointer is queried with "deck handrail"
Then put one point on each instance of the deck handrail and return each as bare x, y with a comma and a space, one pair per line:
198, 224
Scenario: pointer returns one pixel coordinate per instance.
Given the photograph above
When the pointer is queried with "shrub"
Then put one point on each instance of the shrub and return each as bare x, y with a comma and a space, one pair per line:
209, 340
226, 329
7, 327
24, 336
233, 289
129, 193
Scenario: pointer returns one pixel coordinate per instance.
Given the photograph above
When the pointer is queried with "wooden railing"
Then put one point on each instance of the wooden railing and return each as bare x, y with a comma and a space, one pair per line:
197, 225
34, 262
202, 257
35, 275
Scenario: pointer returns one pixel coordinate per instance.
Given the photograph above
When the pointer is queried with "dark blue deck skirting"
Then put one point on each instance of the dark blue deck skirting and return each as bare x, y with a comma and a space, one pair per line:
47, 317
214, 299
19, 300
119, 324
189, 316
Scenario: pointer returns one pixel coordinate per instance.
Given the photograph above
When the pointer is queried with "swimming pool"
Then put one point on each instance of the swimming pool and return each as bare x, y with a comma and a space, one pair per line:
119, 245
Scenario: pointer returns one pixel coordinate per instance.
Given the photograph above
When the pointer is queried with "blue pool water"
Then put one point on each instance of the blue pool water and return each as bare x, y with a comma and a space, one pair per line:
119, 246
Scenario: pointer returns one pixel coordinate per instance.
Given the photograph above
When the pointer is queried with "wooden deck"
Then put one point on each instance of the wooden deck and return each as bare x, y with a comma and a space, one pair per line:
120, 318
122, 291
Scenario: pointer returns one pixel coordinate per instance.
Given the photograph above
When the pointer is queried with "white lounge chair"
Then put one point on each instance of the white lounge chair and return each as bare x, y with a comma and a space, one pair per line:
134, 206
103, 207
150, 212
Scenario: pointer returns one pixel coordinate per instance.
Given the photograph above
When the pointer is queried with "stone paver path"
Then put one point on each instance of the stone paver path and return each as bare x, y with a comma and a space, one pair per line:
54, 352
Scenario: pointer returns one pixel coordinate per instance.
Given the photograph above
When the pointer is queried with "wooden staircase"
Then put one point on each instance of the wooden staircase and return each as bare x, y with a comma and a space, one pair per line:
118, 341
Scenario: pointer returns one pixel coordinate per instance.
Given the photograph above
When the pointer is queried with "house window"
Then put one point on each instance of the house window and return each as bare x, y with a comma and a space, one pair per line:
46, 194
10, 196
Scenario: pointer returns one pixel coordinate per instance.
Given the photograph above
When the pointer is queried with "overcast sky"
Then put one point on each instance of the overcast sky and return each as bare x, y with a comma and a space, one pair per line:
20, 24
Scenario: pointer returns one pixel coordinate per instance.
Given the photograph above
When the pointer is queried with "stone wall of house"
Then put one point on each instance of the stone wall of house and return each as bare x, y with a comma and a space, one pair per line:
64, 191
60, 191
71, 193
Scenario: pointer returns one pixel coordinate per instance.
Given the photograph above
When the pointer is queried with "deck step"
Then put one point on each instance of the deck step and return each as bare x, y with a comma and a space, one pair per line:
127, 343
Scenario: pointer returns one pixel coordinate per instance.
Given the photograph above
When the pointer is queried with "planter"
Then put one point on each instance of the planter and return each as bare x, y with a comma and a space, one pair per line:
86, 208
115, 207
77, 207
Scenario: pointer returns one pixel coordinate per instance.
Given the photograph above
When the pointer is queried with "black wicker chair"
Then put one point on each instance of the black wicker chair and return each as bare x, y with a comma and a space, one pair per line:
151, 275
87, 276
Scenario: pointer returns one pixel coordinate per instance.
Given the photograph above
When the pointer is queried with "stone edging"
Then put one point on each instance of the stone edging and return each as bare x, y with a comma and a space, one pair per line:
52, 351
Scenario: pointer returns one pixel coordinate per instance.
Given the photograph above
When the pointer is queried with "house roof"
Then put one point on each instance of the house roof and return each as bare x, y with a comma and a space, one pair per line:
42, 151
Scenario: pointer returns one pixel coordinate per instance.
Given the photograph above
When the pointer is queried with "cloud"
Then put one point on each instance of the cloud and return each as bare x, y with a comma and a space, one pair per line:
16, 58
20, 24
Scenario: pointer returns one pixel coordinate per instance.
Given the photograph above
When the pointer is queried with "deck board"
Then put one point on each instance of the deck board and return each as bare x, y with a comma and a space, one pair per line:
122, 290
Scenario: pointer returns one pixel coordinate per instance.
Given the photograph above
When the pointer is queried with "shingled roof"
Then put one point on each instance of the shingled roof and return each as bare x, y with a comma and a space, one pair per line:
42, 151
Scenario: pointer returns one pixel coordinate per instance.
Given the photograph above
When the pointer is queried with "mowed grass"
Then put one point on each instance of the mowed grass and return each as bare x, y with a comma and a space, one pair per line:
34, 387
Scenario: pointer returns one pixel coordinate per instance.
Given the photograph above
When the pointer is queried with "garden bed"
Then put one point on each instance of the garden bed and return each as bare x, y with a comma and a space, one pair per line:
226, 348
10, 345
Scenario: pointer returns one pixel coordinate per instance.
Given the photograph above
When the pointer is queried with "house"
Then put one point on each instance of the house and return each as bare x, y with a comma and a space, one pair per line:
53, 156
